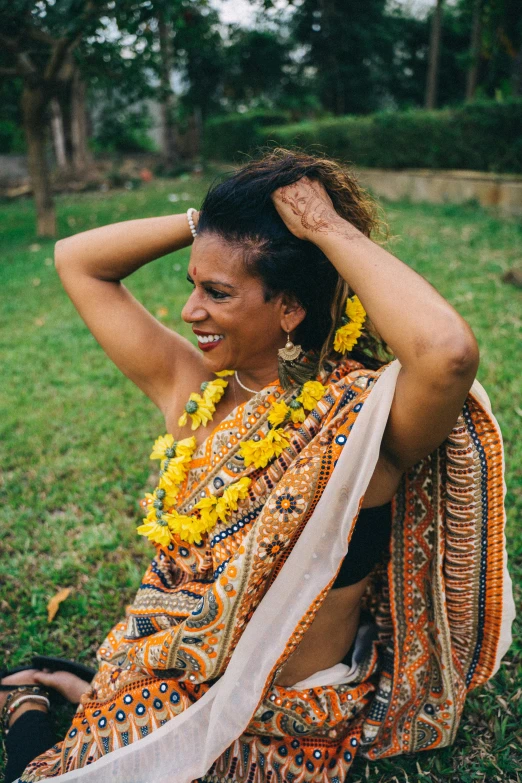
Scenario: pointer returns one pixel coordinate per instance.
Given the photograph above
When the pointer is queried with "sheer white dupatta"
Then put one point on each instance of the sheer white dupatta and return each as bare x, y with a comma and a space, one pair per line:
184, 748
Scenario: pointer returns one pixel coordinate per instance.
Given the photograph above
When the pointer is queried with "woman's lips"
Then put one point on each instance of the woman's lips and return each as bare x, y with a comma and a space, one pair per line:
210, 346
207, 340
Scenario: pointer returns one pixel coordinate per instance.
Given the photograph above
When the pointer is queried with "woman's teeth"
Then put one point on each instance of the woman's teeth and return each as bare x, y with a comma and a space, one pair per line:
210, 338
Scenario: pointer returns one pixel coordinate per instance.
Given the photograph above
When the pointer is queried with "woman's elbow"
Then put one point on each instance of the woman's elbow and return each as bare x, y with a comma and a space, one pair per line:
461, 356
453, 359
467, 355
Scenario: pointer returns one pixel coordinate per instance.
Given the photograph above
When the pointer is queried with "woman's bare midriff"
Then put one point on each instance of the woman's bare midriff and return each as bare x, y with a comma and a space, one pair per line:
329, 637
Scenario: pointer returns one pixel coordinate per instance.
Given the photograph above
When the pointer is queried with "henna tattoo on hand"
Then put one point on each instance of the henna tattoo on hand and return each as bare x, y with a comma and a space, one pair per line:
317, 216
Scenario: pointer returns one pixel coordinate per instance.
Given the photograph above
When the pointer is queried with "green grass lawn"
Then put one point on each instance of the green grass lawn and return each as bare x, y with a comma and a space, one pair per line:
76, 436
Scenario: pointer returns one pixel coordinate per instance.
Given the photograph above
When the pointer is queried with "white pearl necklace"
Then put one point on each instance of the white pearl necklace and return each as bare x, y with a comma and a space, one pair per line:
252, 391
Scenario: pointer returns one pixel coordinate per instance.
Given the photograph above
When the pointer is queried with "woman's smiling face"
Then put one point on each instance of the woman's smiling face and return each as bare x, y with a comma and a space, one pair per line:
235, 325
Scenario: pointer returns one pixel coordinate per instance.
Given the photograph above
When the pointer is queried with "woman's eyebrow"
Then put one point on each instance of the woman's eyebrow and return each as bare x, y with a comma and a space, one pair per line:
212, 282
218, 282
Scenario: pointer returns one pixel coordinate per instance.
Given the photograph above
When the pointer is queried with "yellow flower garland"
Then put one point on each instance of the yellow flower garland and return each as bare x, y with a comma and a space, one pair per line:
260, 452
175, 457
351, 329
162, 520
201, 408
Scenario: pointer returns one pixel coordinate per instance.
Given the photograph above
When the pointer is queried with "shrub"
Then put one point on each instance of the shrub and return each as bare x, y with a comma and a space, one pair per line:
124, 130
227, 137
482, 136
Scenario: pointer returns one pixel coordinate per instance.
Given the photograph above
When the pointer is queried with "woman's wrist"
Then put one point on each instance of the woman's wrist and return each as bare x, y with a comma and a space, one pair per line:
26, 706
332, 228
192, 218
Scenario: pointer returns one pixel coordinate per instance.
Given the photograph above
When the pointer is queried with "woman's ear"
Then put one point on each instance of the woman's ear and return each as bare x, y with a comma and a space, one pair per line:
292, 313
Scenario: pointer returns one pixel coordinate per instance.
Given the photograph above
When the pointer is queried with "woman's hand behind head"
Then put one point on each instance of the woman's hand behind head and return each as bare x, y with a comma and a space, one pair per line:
306, 208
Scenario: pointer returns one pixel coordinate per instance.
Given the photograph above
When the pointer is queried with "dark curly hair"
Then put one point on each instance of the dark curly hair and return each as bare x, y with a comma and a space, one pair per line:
239, 210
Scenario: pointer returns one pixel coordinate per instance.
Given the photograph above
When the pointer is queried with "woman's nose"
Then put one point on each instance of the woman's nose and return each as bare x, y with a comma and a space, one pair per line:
193, 309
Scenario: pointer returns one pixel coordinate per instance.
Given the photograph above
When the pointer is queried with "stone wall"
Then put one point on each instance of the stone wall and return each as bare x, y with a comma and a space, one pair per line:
500, 191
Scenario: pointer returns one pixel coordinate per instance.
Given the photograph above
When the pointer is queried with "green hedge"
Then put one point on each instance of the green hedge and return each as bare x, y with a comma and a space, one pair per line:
227, 137
484, 136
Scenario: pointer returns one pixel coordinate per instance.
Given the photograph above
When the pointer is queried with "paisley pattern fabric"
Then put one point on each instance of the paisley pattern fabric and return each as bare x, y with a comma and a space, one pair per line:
435, 599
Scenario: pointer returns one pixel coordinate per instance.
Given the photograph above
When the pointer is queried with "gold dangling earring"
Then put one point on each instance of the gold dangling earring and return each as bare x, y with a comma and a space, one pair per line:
290, 352
292, 371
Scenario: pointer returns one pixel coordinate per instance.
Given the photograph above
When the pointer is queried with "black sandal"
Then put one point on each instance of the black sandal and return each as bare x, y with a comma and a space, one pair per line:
63, 665
8, 672
53, 664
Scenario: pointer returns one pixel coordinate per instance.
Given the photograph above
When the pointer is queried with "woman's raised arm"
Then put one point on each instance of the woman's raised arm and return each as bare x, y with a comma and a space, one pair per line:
434, 344
92, 265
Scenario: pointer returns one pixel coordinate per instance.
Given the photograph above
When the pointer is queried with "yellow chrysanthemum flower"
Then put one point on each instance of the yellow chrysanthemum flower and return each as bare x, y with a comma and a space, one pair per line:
278, 413
260, 452
355, 311
213, 391
165, 447
236, 491
208, 512
166, 497
155, 530
199, 410
186, 447
311, 393
161, 445
188, 528
224, 373
174, 473
347, 336
297, 415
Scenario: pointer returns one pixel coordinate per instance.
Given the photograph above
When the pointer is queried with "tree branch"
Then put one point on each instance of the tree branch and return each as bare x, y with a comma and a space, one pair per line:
40, 35
10, 72
65, 45
9, 43
25, 66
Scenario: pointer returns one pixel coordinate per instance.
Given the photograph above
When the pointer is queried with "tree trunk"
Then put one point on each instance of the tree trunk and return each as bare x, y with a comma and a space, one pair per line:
198, 130
58, 134
167, 100
34, 104
434, 56
334, 97
476, 33
81, 155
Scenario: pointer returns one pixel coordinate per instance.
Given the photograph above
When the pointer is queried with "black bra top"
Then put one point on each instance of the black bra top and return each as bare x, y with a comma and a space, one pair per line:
370, 536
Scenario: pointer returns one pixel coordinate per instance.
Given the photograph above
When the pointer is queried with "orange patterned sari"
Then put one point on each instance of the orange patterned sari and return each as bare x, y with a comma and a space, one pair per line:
437, 602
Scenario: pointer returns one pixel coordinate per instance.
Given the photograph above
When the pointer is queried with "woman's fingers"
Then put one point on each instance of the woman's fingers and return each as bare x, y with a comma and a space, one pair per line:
305, 207
69, 685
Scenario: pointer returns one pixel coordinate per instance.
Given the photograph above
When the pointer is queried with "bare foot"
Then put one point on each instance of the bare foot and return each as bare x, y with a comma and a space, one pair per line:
69, 685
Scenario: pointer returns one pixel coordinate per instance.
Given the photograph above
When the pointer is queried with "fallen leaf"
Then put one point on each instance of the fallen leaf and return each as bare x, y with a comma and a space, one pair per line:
161, 312
35, 248
36, 281
39, 321
54, 603
48, 262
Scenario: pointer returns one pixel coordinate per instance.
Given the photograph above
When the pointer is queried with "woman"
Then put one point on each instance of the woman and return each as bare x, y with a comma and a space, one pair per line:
278, 656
